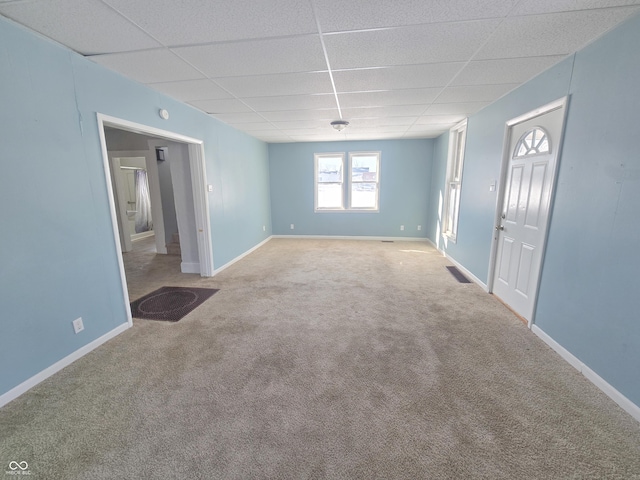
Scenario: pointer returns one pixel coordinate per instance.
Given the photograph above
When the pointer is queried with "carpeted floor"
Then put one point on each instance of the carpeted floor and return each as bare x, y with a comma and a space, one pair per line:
322, 360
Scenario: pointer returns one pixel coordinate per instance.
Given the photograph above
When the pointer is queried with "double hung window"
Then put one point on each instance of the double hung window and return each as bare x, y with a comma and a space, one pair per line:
359, 191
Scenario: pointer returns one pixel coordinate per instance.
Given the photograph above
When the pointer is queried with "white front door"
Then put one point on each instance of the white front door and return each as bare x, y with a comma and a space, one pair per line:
532, 153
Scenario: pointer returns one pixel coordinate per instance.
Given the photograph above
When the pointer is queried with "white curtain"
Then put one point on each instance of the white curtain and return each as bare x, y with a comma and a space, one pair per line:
144, 221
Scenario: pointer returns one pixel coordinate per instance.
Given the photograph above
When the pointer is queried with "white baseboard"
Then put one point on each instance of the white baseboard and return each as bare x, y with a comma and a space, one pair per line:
240, 257
347, 237
15, 392
139, 236
190, 267
624, 403
466, 272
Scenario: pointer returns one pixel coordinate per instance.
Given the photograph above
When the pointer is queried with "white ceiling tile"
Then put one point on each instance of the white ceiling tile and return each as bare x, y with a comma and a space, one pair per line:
420, 96
278, 84
292, 102
255, 126
188, 22
398, 111
439, 119
203, 89
552, 6
326, 114
232, 118
415, 135
505, 70
149, 66
303, 124
374, 136
279, 55
429, 129
477, 93
387, 129
331, 137
455, 108
552, 34
86, 26
326, 130
388, 78
338, 15
450, 42
224, 105
381, 121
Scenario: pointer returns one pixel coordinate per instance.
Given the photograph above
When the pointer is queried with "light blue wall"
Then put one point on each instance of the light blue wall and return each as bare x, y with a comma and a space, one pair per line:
436, 193
483, 158
405, 170
57, 253
588, 298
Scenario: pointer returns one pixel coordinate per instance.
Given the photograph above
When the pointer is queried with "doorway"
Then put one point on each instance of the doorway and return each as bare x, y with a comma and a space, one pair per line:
530, 159
190, 191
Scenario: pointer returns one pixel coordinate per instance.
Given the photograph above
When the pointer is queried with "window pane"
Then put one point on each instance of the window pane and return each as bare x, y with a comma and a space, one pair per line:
364, 168
364, 195
329, 195
329, 169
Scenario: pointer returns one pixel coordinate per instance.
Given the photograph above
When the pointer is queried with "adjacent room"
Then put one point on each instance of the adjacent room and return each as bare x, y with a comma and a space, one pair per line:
419, 219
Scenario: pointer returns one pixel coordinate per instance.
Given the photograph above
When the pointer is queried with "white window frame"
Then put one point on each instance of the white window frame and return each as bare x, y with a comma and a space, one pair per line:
455, 166
316, 158
350, 182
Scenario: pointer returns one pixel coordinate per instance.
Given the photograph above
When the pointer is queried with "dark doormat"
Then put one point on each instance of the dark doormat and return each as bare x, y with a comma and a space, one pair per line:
170, 303
458, 275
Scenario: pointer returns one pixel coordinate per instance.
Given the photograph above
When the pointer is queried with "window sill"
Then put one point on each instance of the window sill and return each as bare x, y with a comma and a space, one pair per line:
345, 210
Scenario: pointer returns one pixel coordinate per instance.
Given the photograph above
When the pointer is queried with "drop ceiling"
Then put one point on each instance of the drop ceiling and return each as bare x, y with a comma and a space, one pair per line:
282, 70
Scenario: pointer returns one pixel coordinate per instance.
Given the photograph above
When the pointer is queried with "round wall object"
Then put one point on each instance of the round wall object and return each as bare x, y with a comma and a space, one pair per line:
164, 114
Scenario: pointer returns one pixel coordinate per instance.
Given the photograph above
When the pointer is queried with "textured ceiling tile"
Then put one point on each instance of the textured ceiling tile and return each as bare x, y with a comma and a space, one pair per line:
86, 26
401, 111
327, 114
374, 136
451, 42
439, 119
552, 34
255, 127
382, 121
203, 89
303, 124
474, 93
507, 70
293, 102
225, 105
388, 78
189, 22
340, 15
455, 108
231, 118
149, 66
419, 96
329, 137
551, 6
428, 129
278, 84
280, 55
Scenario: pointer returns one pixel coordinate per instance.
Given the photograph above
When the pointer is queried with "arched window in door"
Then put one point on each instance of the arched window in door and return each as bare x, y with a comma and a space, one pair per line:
533, 142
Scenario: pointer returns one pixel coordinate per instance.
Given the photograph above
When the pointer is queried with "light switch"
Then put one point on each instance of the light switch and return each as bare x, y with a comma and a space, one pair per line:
210, 188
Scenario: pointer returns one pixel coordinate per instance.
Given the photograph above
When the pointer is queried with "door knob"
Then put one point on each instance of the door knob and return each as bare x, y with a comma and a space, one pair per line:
499, 227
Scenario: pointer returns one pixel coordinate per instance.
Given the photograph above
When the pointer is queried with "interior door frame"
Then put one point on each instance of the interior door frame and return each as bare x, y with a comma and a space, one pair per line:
562, 102
198, 181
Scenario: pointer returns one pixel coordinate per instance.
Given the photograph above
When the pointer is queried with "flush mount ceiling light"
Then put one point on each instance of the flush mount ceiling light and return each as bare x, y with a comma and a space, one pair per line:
339, 125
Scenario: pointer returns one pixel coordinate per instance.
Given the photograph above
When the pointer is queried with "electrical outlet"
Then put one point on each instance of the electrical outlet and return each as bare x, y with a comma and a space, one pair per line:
292, 226
264, 228
419, 227
401, 227
78, 326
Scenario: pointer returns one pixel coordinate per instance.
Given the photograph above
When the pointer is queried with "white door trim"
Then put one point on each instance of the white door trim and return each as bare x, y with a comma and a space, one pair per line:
506, 155
198, 178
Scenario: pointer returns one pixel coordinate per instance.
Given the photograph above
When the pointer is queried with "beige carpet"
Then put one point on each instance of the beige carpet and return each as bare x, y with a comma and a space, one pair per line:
322, 359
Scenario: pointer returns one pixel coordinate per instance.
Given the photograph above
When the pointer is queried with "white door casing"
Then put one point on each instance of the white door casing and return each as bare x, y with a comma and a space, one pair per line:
532, 144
